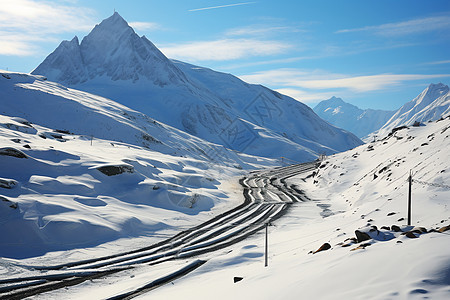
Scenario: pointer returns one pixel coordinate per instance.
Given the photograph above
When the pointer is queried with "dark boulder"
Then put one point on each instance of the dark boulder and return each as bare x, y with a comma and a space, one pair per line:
9, 151
237, 279
324, 247
445, 228
362, 236
395, 228
112, 170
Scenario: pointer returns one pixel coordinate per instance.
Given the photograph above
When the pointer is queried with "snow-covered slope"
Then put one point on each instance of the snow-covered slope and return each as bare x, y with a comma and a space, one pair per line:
344, 115
362, 189
432, 104
55, 196
113, 61
78, 170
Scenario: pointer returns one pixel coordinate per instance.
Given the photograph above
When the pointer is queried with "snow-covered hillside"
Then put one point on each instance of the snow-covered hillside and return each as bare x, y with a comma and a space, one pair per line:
114, 62
344, 115
432, 104
56, 194
363, 189
78, 170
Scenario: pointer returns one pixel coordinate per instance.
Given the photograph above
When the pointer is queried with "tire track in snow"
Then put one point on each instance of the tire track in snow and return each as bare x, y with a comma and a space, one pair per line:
267, 197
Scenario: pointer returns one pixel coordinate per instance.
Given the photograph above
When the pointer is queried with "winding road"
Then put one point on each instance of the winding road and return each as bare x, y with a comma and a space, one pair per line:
267, 198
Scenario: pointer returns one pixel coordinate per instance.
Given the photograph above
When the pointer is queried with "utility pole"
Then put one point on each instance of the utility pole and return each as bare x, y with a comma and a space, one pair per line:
409, 197
267, 245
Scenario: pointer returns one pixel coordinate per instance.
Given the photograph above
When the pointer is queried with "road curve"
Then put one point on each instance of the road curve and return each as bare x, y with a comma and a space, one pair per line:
267, 197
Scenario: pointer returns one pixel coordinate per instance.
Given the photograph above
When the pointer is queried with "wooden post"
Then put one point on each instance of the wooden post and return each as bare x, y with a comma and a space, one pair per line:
267, 246
409, 197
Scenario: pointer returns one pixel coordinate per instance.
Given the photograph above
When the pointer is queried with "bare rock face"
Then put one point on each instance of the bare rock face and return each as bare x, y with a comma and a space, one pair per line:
362, 236
324, 247
237, 279
112, 170
9, 151
410, 234
396, 228
11, 204
445, 228
7, 183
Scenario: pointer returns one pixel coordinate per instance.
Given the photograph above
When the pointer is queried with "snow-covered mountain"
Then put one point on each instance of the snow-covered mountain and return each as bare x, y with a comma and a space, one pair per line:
114, 62
78, 170
344, 115
432, 104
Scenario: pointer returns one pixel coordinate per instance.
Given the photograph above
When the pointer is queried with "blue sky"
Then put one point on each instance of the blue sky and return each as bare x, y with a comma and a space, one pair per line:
374, 54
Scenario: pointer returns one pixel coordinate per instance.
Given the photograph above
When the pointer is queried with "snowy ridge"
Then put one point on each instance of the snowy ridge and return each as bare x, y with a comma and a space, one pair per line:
349, 117
432, 104
114, 62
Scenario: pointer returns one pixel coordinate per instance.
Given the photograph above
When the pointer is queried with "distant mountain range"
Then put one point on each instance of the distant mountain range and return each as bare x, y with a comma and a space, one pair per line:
359, 121
114, 62
432, 104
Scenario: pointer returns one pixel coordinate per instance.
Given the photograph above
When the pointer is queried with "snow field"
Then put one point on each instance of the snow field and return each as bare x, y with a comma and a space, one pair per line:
389, 265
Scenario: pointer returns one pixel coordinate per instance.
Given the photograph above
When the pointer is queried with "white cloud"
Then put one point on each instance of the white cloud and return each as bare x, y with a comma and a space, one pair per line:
23, 22
305, 96
307, 85
221, 6
145, 26
366, 83
415, 26
225, 49
441, 62
260, 30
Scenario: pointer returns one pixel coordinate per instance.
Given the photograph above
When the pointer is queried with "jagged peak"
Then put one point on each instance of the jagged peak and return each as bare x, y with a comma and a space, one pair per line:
115, 19
438, 87
113, 26
336, 100
429, 94
75, 40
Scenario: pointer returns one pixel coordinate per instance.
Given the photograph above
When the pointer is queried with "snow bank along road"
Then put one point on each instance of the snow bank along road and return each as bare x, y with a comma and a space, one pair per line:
267, 197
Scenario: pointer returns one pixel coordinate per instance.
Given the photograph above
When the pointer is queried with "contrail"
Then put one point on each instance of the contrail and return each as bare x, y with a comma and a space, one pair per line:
221, 6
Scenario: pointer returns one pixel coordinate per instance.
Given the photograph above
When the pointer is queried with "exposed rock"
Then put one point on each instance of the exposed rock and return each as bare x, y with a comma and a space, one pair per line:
11, 204
410, 234
362, 246
237, 279
391, 214
352, 239
445, 228
63, 131
112, 170
419, 230
8, 151
395, 228
7, 183
324, 247
361, 236
385, 227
